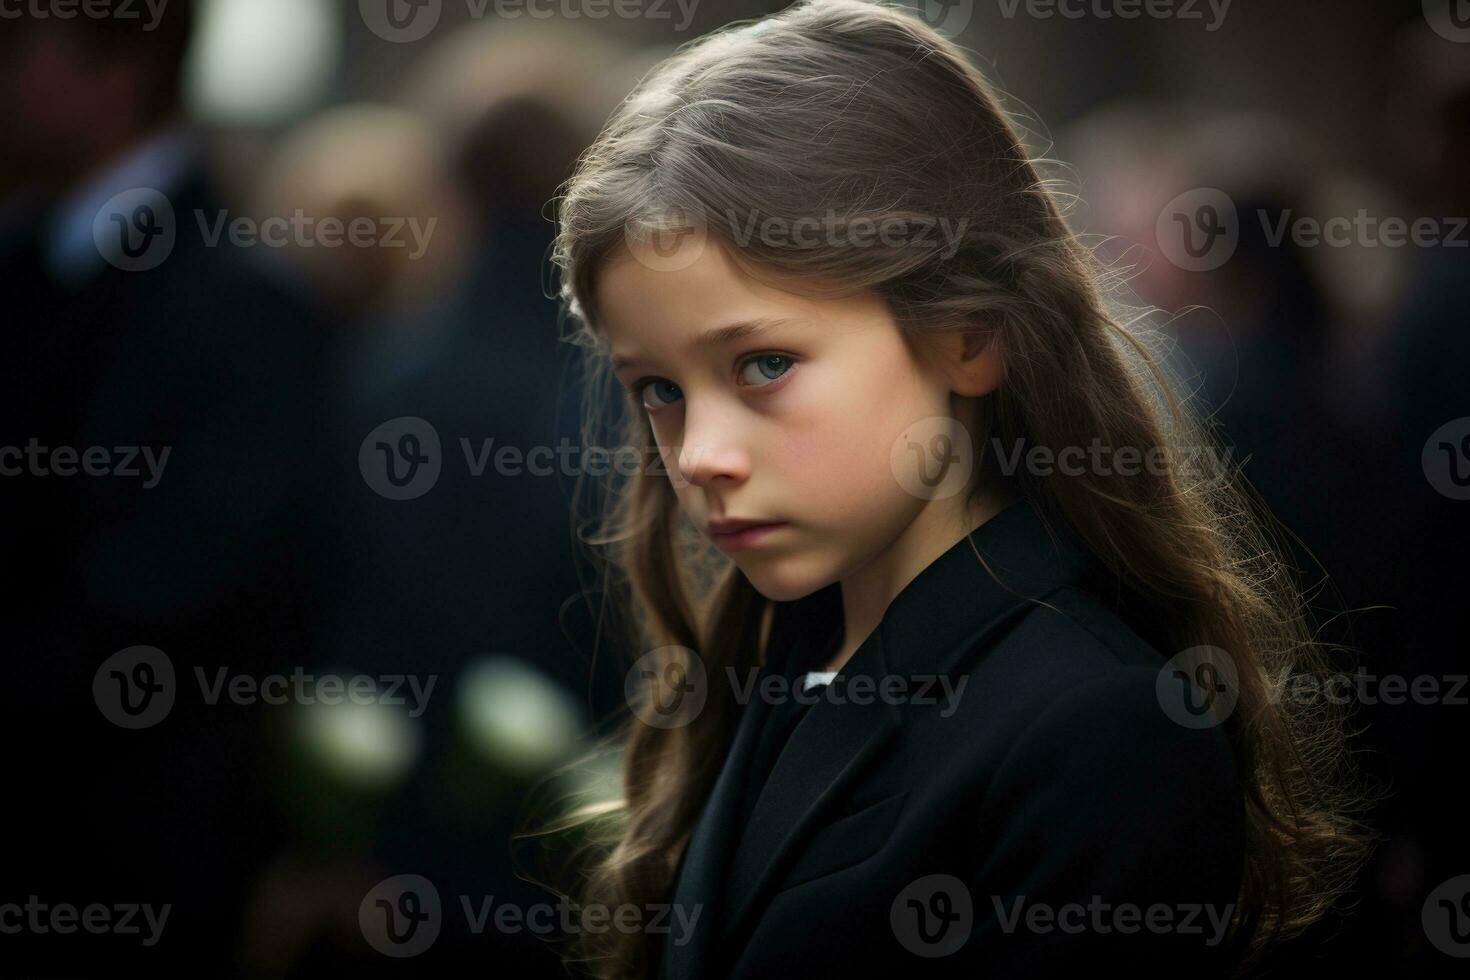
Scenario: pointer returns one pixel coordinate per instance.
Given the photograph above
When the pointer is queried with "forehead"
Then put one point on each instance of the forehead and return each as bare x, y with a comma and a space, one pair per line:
645, 310
630, 288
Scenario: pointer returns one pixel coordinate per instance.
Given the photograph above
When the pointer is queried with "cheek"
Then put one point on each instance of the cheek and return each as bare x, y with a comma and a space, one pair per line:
836, 462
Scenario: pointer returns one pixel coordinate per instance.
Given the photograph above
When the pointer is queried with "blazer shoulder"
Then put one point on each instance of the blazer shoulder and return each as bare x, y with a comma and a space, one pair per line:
1066, 647
1071, 631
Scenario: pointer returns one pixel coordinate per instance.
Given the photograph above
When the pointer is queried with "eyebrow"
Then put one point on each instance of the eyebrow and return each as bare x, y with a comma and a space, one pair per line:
717, 337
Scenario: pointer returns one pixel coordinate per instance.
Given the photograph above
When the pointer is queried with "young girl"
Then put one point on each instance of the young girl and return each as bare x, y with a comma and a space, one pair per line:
961, 646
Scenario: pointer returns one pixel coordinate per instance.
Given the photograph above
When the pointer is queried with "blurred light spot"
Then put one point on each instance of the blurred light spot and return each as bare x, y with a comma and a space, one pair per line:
258, 62
367, 745
515, 716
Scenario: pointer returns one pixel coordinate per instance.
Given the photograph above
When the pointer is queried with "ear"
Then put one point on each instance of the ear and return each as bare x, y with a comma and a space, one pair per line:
971, 360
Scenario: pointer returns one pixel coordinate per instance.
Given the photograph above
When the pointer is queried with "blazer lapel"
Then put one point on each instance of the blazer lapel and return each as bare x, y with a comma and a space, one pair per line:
827, 750
707, 855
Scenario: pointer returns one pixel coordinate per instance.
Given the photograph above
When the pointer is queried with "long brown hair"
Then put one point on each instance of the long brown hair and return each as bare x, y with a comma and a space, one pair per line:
860, 110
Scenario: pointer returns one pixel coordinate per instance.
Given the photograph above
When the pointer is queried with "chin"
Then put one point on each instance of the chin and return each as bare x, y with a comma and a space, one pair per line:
782, 585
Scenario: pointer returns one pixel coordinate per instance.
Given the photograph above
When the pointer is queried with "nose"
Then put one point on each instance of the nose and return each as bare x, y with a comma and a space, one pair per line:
713, 449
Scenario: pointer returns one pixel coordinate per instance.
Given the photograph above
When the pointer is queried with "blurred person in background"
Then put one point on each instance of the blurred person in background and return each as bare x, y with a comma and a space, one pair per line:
474, 577
1425, 356
1325, 369
385, 166
190, 378
1258, 337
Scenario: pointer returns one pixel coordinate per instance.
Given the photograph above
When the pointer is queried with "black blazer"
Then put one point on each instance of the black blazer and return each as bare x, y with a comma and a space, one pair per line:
1052, 793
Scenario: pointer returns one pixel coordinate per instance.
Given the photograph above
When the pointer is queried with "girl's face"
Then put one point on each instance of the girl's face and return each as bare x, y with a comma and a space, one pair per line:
769, 406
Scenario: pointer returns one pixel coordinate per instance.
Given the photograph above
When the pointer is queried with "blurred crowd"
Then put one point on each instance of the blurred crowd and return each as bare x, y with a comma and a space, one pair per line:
309, 336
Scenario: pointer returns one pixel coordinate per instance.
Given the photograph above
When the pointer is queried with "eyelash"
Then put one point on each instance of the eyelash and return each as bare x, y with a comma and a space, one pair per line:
642, 383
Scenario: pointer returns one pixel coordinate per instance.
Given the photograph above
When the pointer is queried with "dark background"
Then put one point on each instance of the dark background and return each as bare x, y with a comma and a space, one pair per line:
267, 549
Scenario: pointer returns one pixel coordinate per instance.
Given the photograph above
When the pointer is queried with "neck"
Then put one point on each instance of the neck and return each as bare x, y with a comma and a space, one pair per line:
868, 591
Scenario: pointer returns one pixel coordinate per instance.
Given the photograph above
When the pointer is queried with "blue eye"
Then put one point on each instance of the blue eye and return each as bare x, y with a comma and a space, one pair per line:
758, 372
664, 388
769, 367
